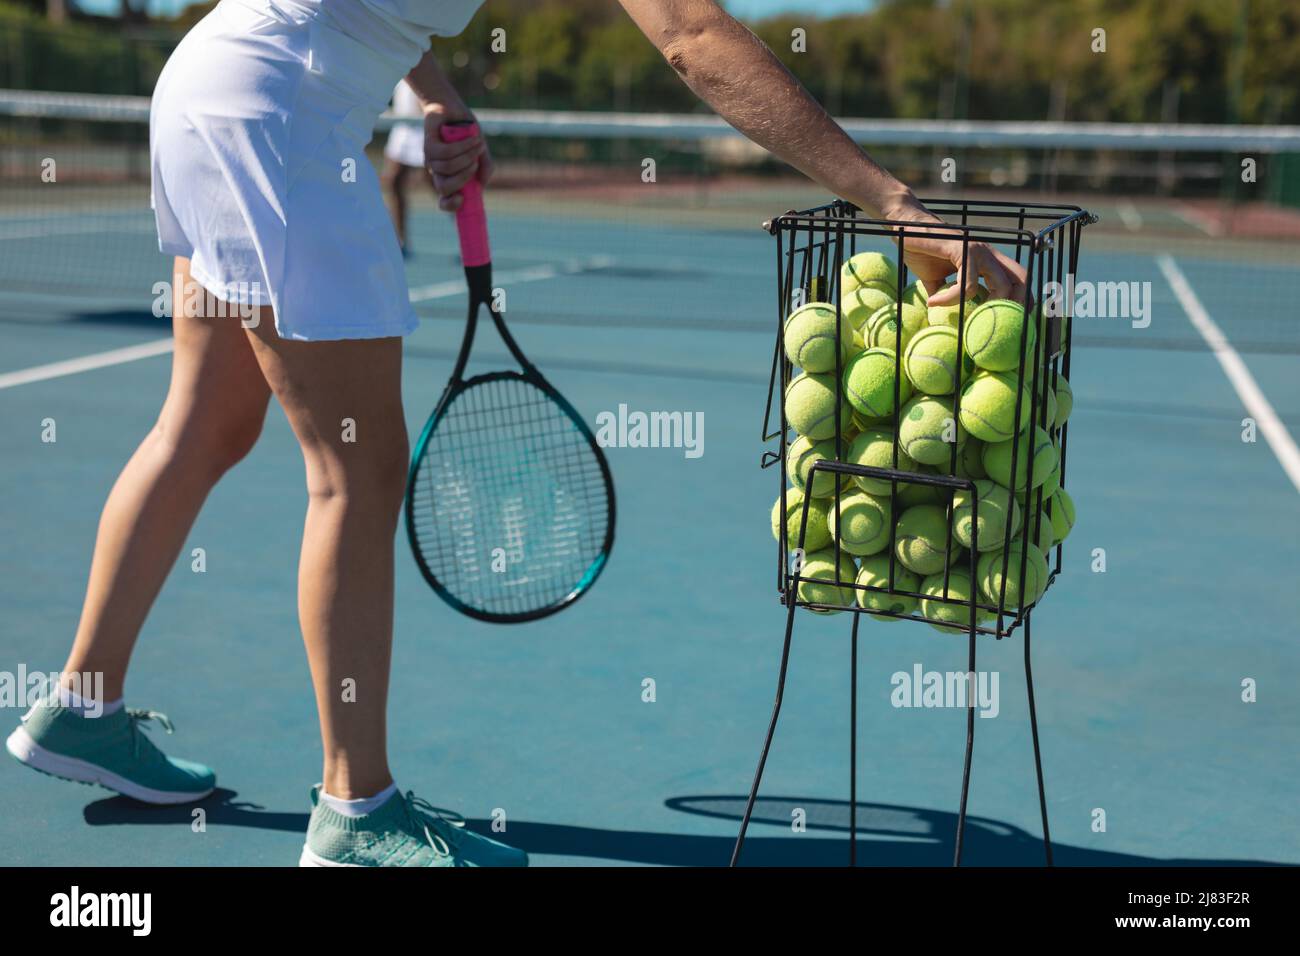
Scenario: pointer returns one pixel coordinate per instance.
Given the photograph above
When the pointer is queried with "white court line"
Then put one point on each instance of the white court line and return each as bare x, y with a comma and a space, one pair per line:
1275, 433
132, 353
84, 364
442, 290
1129, 215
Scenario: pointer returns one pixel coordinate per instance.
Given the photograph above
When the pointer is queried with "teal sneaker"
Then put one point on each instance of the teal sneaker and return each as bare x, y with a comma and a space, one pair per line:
110, 750
404, 831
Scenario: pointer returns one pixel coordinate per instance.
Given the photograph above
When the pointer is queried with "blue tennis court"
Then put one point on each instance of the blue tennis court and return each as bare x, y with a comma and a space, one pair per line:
625, 730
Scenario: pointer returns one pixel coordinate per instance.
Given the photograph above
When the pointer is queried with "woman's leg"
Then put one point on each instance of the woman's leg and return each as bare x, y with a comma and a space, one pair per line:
210, 419
343, 399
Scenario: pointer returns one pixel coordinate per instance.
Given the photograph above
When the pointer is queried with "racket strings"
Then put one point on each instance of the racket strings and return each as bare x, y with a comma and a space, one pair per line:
510, 506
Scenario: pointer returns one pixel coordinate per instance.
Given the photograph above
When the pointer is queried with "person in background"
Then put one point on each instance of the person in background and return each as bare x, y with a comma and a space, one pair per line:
404, 160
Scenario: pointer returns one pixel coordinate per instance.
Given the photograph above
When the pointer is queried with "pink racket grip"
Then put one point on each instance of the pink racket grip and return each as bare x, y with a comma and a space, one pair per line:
471, 218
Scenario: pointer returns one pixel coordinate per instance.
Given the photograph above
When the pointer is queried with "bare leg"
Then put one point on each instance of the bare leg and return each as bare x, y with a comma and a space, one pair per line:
210, 419
355, 485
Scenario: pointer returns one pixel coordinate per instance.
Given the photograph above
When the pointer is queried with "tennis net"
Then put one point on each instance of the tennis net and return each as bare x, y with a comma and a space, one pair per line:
75, 222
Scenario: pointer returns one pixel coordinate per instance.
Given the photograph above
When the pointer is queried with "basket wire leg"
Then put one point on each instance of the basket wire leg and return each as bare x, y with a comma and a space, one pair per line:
1038, 759
853, 748
970, 746
771, 729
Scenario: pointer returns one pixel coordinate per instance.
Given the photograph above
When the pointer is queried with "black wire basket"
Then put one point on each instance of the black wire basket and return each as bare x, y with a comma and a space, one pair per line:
812, 247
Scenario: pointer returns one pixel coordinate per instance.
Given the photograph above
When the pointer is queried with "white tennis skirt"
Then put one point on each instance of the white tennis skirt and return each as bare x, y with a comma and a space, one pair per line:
258, 131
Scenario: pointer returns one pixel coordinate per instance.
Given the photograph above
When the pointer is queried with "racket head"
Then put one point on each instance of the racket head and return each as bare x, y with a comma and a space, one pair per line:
505, 462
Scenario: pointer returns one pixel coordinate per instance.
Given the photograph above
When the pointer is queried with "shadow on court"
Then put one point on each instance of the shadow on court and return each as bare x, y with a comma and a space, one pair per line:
888, 835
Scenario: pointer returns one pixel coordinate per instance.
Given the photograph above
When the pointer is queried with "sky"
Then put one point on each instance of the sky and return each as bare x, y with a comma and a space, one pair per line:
745, 9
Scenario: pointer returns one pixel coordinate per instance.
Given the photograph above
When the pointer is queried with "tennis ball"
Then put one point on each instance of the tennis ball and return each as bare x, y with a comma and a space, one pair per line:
1050, 396
927, 430
866, 268
869, 383
816, 535
863, 522
914, 493
1053, 480
881, 328
969, 464
1064, 400
800, 458
997, 460
824, 571
930, 361
922, 539
988, 406
874, 448
860, 304
873, 572
993, 333
995, 565
947, 314
810, 406
1062, 508
1041, 533
996, 508
937, 604
915, 294
810, 337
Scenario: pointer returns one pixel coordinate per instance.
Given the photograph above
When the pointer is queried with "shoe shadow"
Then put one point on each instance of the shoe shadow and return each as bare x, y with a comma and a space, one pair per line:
221, 808
888, 835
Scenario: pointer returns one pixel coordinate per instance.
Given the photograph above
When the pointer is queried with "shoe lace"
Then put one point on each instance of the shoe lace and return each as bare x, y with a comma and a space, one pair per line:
138, 716
443, 829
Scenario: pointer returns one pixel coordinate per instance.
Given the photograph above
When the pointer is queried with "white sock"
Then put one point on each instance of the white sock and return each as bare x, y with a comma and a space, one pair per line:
358, 808
86, 707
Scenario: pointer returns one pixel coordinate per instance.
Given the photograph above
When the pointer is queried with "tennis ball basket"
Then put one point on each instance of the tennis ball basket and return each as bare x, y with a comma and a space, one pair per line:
920, 449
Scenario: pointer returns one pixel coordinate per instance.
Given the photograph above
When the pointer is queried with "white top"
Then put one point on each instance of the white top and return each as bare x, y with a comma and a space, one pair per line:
398, 30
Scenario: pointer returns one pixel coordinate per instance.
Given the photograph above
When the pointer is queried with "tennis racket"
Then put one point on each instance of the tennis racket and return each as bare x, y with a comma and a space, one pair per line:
509, 500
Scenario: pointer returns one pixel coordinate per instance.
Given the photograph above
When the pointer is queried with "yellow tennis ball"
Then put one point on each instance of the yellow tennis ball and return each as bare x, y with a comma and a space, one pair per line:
1062, 509
994, 566
801, 456
862, 522
869, 267
873, 572
946, 605
993, 336
811, 335
881, 327
810, 406
1064, 400
996, 510
874, 448
915, 294
928, 430
988, 406
948, 314
997, 460
816, 535
864, 301
923, 540
870, 381
930, 361
822, 571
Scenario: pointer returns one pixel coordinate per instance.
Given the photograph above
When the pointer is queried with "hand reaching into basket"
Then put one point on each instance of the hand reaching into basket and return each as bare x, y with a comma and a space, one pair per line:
735, 73
933, 260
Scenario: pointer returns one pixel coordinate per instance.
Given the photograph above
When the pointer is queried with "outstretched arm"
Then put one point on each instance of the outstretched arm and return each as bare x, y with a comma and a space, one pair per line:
736, 74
